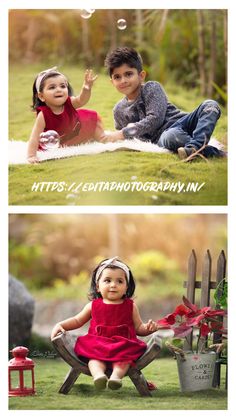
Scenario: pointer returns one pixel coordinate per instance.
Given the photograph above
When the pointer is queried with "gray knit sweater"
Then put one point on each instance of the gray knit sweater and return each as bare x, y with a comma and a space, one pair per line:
151, 112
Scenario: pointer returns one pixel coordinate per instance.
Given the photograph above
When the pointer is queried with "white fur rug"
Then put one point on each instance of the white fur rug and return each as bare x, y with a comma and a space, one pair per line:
17, 150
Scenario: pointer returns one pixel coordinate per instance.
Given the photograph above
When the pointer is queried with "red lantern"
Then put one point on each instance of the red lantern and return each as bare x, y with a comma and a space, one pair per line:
21, 373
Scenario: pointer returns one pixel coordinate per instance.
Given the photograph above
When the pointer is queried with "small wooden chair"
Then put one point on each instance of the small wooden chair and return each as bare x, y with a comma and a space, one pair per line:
64, 345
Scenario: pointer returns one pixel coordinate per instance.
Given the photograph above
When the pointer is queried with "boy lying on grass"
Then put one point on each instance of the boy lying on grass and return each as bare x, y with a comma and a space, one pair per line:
145, 112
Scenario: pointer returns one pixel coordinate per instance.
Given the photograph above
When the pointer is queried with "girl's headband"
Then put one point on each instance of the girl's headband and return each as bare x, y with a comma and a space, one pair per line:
44, 73
113, 262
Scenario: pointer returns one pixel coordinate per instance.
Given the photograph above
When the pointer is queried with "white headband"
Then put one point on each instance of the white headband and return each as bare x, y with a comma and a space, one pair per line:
41, 76
114, 262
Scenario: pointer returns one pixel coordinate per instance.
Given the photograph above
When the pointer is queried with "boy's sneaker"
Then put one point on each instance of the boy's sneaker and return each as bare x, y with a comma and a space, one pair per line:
185, 152
223, 154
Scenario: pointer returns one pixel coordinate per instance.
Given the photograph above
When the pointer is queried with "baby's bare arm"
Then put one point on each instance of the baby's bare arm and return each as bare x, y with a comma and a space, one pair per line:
143, 329
73, 322
84, 96
33, 142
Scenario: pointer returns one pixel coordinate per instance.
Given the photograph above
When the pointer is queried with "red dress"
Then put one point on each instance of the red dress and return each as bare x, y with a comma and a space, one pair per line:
111, 335
73, 125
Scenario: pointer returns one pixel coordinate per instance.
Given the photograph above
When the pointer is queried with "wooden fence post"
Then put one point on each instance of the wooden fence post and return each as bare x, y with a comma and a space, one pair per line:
192, 272
206, 279
190, 285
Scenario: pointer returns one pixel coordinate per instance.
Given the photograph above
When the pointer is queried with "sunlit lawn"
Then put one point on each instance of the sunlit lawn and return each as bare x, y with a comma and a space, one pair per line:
50, 375
121, 166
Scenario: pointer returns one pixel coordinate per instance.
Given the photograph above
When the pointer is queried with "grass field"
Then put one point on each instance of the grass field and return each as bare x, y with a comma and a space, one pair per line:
50, 374
120, 166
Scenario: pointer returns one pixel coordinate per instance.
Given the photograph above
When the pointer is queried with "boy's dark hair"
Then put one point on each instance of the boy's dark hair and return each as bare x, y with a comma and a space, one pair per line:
94, 294
123, 55
35, 99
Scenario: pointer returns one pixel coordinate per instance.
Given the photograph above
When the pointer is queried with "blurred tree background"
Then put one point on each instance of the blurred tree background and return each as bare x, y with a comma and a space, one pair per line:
54, 254
184, 46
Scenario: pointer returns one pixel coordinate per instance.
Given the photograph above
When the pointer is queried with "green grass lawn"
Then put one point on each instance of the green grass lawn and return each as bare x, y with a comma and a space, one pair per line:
120, 166
50, 374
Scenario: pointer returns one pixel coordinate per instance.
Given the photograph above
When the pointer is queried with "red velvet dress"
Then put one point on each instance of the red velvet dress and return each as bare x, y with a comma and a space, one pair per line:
111, 335
74, 126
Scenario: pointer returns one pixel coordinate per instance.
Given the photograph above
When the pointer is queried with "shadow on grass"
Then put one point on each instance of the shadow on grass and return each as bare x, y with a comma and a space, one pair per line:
88, 389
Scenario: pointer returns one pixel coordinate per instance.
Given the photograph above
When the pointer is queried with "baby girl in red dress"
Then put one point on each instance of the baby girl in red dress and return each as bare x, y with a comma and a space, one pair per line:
58, 110
115, 321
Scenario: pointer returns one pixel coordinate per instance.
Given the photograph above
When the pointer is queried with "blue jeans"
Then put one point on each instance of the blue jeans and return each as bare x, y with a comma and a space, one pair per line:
194, 130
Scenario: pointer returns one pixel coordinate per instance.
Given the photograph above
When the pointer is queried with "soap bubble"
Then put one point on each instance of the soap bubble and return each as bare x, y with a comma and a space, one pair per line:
49, 134
86, 13
121, 24
131, 130
49, 140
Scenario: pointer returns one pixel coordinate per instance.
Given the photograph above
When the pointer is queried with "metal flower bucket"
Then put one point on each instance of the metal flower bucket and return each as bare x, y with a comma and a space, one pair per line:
196, 371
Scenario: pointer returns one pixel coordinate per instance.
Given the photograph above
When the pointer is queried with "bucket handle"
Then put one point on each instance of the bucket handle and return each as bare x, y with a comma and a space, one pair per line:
175, 350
